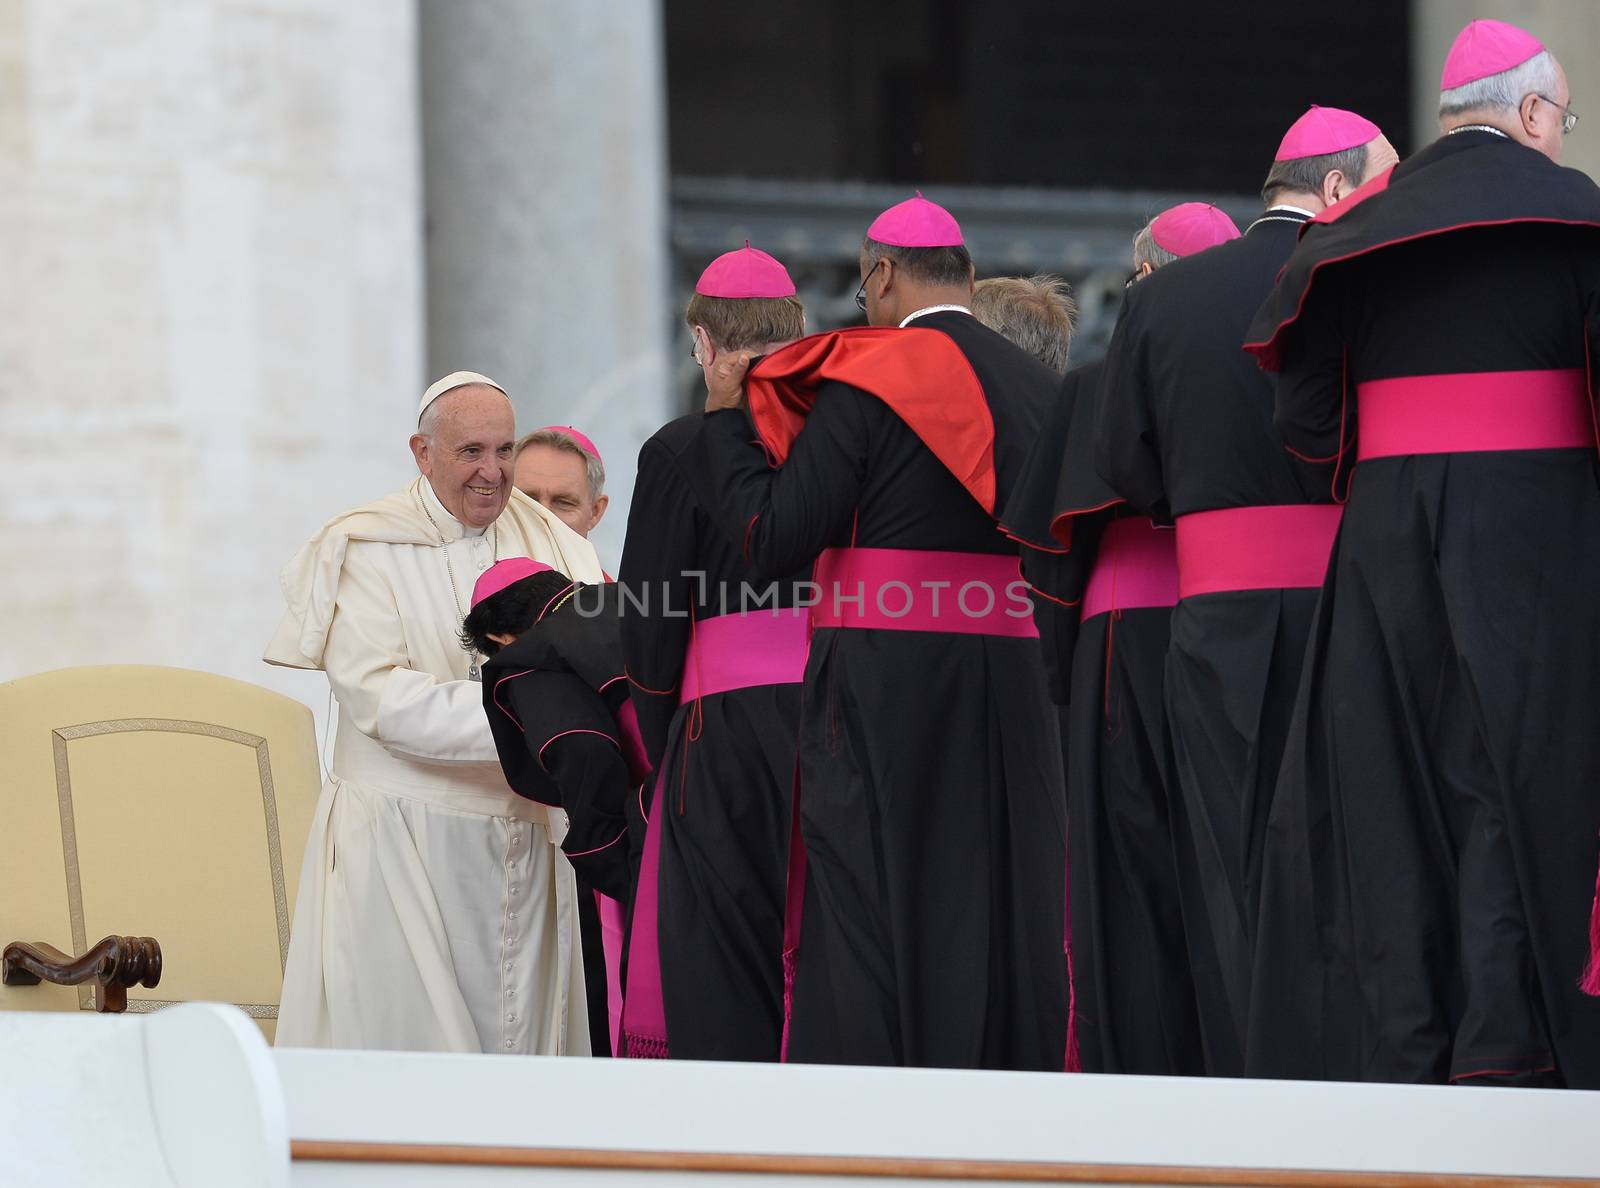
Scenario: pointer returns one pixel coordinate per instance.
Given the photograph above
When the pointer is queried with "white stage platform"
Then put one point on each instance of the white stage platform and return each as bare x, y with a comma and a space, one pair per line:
192, 1097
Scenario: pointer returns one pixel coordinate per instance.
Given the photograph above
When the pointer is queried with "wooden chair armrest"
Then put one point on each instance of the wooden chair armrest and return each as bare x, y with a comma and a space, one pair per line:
113, 965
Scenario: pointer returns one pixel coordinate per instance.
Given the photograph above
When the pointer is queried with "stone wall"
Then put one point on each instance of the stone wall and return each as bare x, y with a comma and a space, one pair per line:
211, 327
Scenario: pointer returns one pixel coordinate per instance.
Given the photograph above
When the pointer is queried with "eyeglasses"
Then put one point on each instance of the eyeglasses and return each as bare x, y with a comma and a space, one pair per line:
1569, 118
861, 293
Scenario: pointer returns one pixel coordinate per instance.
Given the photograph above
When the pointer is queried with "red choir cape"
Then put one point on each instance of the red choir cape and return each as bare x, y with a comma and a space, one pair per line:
921, 374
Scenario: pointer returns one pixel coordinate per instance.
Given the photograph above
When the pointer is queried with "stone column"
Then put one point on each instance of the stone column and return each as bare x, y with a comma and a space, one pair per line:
543, 125
210, 314
1571, 30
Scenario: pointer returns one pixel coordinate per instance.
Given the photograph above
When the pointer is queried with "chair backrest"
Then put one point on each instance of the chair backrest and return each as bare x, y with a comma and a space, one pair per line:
155, 802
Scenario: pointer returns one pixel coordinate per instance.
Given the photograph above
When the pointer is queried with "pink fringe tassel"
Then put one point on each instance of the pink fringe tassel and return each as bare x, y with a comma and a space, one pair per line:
1074, 1062
1590, 982
790, 964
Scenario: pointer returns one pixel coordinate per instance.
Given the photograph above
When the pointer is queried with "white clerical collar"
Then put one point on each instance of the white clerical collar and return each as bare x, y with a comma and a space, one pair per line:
1478, 128
449, 527
1285, 206
932, 309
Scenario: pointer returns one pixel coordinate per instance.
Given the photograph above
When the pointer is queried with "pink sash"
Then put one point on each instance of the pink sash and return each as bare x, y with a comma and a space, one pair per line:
1471, 412
1255, 548
737, 651
1135, 566
923, 590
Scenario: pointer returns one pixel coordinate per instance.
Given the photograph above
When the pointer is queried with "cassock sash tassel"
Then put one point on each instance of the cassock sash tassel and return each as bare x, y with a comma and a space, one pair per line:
1590, 982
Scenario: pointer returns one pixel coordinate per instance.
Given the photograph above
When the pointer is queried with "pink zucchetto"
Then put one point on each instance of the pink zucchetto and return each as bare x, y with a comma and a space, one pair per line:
505, 573
1484, 48
1191, 227
916, 223
747, 272
584, 443
1324, 130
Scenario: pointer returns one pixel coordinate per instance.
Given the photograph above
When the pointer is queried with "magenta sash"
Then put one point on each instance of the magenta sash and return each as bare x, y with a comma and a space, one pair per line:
1282, 547
612, 930
1135, 566
739, 651
923, 590
1472, 412
727, 652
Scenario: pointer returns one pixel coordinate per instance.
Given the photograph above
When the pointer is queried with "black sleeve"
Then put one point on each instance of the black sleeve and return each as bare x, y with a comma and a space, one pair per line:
1127, 452
1314, 412
659, 551
1058, 582
780, 519
573, 737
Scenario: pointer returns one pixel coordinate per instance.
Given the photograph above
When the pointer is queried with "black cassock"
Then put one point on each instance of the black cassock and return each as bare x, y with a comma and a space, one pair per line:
727, 764
1133, 998
1431, 855
1184, 426
558, 708
931, 802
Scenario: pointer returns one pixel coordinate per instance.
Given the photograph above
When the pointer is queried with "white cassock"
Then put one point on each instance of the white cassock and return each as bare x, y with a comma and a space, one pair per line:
436, 910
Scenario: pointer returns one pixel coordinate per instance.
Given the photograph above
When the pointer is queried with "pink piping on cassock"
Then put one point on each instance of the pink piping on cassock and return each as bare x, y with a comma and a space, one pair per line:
602, 734
500, 704
597, 849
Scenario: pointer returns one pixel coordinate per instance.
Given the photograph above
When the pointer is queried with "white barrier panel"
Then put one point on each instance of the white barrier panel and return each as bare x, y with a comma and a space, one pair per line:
183, 1098
405, 1118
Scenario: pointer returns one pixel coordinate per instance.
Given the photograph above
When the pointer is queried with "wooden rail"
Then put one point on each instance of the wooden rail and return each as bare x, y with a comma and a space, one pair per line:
883, 1167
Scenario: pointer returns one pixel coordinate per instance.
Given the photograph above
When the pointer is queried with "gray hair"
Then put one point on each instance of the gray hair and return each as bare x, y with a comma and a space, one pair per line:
1504, 91
594, 470
931, 266
1307, 174
1147, 251
1035, 312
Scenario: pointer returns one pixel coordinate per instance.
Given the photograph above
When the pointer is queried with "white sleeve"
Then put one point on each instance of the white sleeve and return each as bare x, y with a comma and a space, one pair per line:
405, 710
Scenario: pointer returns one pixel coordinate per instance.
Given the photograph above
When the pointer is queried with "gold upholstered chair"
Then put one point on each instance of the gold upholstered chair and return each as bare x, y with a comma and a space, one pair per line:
154, 802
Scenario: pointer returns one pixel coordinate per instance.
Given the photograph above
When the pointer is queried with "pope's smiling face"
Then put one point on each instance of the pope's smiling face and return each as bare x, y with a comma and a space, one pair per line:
464, 448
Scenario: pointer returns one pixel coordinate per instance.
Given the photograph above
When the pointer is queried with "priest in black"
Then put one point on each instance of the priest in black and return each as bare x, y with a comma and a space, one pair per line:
715, 659
930, 928
1430, 861
1184, 432
1133, 997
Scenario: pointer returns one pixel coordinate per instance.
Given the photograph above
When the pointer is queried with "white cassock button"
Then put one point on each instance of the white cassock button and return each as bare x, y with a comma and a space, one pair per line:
511, 915
512, 939
508, 967
512, 992
513, 891
511, 1018
508, 1043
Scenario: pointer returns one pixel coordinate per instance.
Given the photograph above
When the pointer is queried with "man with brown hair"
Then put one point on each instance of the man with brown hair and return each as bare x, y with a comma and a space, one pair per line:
715, 665
1035, 312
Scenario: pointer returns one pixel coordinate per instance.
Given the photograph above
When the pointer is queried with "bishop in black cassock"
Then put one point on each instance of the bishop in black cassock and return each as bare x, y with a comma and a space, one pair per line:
1430, 863
1185, 431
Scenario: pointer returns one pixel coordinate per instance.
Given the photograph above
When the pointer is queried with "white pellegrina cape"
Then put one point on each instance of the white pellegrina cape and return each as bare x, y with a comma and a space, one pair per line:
436, 911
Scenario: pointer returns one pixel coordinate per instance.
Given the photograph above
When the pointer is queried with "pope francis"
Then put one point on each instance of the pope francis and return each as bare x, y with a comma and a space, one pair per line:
436, 911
